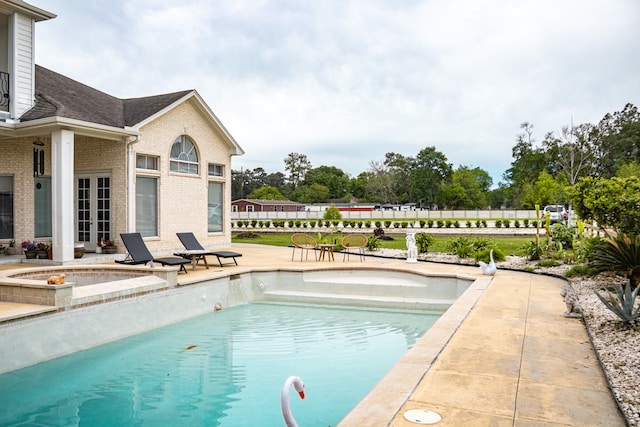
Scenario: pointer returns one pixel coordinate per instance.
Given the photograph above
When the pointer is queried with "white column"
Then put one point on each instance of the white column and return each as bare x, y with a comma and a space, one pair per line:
62, 195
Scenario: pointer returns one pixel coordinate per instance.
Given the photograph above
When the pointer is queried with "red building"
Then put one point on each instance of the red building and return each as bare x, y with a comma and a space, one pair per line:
260, 205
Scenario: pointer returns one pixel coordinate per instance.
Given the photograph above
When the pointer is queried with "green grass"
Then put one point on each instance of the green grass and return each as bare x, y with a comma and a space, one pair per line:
508, 245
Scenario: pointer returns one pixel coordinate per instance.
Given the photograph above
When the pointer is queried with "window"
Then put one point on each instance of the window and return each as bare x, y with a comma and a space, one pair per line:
215, 207
42, 206
147, 206
216, 170
249, 208
6, 207
234, 208
147, 162
184, 158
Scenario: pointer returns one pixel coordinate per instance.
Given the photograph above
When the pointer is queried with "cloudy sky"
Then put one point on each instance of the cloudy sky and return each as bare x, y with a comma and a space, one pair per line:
345, 82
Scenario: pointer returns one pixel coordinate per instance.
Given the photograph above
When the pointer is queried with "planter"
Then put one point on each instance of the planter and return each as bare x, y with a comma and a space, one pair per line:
30, 254
11, 250
98, 249
78, 251
110, 249
42, 254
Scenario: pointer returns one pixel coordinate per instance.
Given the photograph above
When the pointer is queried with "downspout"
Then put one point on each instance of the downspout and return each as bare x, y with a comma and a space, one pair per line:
131, 162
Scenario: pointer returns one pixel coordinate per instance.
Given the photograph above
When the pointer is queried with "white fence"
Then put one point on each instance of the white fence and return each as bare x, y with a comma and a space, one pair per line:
392, 215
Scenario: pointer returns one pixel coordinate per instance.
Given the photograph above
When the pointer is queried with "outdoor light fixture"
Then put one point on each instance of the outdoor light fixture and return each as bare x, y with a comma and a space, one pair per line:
38, 159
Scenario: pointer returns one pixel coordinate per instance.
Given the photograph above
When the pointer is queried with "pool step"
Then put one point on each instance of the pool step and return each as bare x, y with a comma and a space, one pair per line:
393, 302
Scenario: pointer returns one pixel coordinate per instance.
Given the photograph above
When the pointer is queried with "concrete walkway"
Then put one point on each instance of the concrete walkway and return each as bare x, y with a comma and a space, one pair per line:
511, 359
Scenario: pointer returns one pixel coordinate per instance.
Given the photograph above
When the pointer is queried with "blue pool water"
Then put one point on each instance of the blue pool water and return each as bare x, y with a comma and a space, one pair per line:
222, 369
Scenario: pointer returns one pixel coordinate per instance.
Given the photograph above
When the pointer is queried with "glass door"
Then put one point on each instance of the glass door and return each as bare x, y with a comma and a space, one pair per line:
93, 209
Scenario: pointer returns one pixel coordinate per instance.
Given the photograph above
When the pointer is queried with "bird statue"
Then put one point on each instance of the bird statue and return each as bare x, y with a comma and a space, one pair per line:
488, 269
285, 404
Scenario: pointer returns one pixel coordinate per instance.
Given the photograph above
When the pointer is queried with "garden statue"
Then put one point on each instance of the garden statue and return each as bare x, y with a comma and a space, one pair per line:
412, 249
570, 299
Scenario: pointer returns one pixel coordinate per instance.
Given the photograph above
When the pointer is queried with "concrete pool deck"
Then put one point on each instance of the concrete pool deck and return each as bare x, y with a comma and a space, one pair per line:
513, 360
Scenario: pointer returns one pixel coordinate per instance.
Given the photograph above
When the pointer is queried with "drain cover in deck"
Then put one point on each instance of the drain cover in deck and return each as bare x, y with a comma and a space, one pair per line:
422, 416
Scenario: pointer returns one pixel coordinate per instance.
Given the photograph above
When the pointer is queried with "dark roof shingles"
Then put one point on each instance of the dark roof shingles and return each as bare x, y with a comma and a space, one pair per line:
57, 95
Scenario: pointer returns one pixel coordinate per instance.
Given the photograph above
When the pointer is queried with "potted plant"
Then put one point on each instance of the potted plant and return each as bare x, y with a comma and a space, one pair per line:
11, 250
42, 251
30, 248
109, 247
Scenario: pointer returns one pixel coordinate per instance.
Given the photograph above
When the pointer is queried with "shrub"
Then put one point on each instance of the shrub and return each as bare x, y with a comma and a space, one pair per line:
621, 253
290, 224
456, 223
367, 224
440, 223
424, 241
563, 234
378, 224
484, 223
532, 251
534, 223
498, 223
430, 223
373, 243
254, 223
516, 223
248, 235
332, 213
484, 255
297, 223
387, 224
468, 224
525, 222
312, 224
448, 223
478, 223
422, 223
506, 223
579, 270
622, 304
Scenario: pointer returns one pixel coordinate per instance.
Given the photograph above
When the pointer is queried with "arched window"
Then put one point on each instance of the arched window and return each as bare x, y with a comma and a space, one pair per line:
184, 157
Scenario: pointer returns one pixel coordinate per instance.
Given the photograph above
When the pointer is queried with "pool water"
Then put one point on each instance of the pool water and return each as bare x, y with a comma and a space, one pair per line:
221, 369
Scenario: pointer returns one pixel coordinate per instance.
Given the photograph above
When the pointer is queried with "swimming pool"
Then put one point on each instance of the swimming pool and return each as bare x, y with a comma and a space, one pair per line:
232, 378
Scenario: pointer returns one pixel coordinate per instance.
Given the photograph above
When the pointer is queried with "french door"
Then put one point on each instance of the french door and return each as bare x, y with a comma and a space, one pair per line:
93, 209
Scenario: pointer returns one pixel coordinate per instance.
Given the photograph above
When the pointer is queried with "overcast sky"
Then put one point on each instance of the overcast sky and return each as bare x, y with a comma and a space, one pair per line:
345, 82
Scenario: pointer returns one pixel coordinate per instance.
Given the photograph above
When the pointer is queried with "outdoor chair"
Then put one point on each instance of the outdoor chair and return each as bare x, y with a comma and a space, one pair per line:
303, 242
195, 252
356, 243
138, 253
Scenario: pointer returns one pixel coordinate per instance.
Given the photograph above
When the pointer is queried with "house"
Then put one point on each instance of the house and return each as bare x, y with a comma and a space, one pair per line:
78, 165
261, 205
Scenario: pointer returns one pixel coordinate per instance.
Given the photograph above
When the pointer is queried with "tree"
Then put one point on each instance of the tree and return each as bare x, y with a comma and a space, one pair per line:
528, 162
617, 141
629, 170
612, 203
314, 193
469, 188
331, 177
428, 171
267, 193
297, 165
572, 151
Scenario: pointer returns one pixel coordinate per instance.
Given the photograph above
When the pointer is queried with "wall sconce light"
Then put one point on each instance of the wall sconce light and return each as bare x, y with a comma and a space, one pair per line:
38, 159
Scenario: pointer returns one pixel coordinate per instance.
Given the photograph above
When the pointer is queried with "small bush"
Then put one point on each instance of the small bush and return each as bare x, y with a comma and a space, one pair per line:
498, 223
248, 235
422, 223
387, 224
516, 223
424, 241
525, 222
367, 224
440, 223
373, 243
478, 223
468, 224
430, 223
312, 224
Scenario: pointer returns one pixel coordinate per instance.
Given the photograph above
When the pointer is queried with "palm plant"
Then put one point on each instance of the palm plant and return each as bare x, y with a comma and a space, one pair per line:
622, 303
621, 253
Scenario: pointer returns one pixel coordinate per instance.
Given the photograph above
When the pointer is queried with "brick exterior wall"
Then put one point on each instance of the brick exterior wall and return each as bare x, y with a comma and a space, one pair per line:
182, 197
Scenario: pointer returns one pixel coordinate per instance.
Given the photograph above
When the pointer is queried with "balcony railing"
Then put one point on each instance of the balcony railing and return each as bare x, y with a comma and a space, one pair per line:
4, 91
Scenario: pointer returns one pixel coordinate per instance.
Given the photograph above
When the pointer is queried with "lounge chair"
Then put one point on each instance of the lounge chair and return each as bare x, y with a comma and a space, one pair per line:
354, 242
303, 242
138, 253
195, 252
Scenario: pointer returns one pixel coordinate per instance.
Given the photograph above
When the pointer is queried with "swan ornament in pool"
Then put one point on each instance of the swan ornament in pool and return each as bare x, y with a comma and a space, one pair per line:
285, 404
488, 269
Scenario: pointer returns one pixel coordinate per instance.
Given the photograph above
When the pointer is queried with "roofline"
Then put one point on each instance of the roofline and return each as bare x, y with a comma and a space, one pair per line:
269, 201
236, 150
80, 127
23, 7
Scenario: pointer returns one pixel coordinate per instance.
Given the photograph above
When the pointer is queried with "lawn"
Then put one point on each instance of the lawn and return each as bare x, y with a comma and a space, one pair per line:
507, 245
